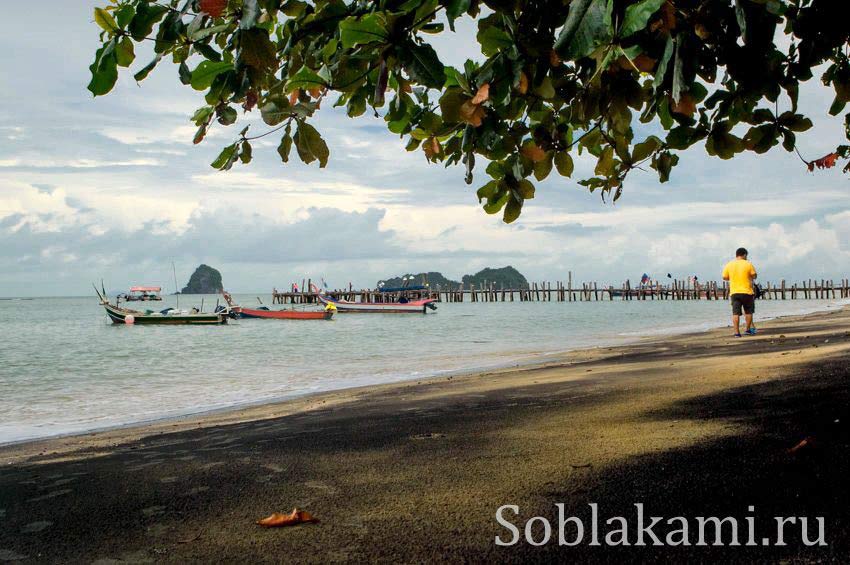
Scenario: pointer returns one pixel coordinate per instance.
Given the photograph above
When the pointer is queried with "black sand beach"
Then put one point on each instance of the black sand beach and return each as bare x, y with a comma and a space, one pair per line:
695, 425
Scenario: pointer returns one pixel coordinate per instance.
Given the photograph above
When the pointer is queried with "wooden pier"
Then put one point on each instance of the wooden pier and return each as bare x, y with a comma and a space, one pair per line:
566, 291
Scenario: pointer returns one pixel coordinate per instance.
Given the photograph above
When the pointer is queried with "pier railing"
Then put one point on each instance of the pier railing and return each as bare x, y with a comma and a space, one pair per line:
566, 291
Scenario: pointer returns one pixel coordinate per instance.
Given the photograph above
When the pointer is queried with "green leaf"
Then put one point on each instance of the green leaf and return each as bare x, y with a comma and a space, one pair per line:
275, 110
492, 40
246, 153
124, 52
205, 73
258, 51
146, 16
423, 65
489, 190
678, 76
362, 31
795, 122
104, 70
512, 210
207, 31
250, 13
105, 20
310, 145
285, 147
564, 163
645, 148
525, 188
455, 9
143, 73
450, 104
304, 79
184, 73
226, 158
663, 62
543, 167
587, 27
495, 206
637, 15
742, 19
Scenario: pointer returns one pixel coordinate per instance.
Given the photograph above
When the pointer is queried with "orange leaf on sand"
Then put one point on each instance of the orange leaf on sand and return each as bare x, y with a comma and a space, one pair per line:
807, 441
482, 95
554, 59
293, 97
213, 7
472, 114
825, 162
278, 520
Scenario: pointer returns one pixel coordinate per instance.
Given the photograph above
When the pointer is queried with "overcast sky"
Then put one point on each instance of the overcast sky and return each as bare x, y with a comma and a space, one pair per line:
113, 188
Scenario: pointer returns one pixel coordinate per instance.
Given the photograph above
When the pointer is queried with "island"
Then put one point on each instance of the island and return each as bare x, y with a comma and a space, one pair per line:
502, 277
205, 280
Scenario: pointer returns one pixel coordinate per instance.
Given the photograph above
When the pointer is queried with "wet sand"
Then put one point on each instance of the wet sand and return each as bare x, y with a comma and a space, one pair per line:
692, 425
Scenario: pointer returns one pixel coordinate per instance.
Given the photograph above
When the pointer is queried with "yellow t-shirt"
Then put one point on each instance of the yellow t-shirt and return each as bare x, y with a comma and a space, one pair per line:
740, 273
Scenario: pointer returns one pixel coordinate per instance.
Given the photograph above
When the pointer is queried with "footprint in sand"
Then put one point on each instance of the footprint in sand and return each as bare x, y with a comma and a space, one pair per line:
195, 491
140, 556
320, 486
60, 482
153, 510
34, 527
9, 555
157, 530
208, 466
274, 467
168, 480
53, 494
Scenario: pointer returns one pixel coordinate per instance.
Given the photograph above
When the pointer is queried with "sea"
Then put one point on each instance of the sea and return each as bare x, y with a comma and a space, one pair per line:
65, 369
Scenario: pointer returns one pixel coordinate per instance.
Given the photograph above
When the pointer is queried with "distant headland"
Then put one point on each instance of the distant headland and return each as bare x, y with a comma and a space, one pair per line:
503, 277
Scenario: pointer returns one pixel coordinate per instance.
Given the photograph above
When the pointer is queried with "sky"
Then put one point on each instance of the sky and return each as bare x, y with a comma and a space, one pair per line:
112, 188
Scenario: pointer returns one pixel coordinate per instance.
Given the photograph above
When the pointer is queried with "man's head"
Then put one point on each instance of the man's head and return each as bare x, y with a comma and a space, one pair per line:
741, 253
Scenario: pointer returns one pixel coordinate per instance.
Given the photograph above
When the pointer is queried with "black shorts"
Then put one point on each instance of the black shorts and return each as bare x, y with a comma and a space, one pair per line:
745, 302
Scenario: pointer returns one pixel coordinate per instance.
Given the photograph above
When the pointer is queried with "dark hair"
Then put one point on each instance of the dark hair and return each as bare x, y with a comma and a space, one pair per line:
741, 252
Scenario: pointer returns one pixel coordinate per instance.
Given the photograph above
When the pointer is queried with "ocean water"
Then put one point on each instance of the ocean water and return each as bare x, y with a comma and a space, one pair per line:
65, 369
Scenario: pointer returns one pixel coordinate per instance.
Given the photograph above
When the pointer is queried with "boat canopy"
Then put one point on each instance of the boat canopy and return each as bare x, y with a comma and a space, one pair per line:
145, 289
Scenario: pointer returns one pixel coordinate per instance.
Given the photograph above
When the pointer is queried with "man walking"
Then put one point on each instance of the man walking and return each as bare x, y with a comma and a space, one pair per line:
740, 274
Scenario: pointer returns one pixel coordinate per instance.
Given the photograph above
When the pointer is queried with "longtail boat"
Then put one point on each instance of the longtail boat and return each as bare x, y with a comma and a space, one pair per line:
143, 293
264, 312
411, 307
169, 316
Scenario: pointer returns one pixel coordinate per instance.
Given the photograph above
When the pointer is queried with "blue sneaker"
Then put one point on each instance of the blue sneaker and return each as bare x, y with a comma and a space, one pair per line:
751, 331
737, 335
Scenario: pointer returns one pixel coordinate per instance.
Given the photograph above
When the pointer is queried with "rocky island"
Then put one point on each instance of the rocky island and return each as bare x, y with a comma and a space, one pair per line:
205, 280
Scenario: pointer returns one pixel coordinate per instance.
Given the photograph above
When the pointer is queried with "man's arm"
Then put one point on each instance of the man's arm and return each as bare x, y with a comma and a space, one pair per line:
753, 273
725, 274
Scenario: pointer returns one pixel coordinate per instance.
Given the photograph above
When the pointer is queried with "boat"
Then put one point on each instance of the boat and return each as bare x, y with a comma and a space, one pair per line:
265, 312
169, 316
143, 293
403, 306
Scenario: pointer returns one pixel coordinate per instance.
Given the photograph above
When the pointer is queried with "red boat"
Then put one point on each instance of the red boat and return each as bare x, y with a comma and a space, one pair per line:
264, 312
286, 314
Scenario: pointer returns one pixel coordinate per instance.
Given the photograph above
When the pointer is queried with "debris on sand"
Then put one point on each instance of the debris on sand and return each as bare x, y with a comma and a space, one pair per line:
278, 520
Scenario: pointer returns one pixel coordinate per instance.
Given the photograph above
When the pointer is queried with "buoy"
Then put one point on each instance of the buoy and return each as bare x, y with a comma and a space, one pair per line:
129, 319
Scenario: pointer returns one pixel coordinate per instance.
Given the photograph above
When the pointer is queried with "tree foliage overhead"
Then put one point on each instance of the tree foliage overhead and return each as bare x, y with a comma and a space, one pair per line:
630, 82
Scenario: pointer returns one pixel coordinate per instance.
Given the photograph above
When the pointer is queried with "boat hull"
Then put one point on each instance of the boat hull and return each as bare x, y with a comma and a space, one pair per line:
413, 307
286, 314
118, 316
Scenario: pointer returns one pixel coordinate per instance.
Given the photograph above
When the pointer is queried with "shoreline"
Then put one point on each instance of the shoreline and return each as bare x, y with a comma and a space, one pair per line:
273, 408
516, 361
693, 425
